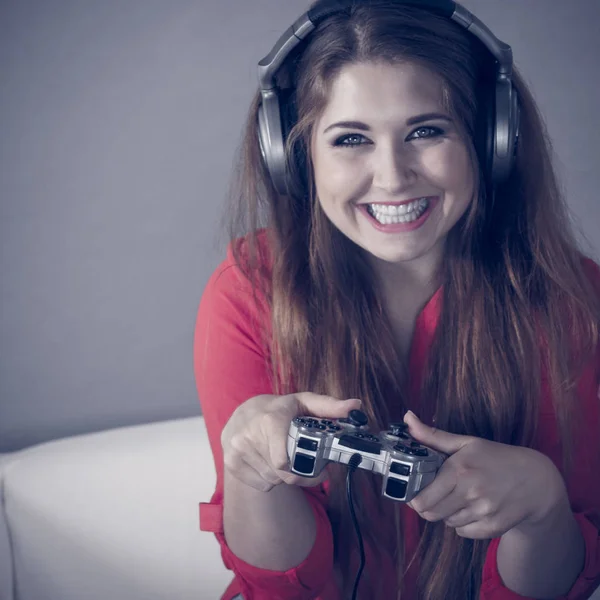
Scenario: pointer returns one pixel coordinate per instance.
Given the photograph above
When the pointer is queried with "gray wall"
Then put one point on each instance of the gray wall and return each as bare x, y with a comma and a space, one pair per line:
118, 123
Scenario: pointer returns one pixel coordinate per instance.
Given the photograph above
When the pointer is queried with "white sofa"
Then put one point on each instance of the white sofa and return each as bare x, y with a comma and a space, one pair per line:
111, 515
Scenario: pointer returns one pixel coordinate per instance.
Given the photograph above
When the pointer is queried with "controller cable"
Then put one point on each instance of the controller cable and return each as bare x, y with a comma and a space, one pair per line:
353, 463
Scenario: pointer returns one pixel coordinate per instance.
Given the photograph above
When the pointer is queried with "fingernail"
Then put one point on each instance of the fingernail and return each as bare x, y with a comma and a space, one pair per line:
411, 413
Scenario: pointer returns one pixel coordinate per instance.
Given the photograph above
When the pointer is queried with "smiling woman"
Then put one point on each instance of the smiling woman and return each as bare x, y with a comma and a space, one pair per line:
414, 253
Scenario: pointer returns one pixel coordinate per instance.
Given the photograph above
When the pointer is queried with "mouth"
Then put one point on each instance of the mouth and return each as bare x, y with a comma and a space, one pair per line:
399, 216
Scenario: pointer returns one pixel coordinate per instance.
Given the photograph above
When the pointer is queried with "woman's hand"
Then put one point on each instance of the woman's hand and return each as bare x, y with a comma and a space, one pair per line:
485, 488
254, 440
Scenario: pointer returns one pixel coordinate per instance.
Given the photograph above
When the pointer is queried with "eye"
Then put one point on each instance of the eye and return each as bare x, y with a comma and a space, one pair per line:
349, 140
434, 132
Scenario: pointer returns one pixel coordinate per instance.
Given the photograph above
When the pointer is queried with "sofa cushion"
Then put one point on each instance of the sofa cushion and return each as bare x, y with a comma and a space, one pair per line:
114, 514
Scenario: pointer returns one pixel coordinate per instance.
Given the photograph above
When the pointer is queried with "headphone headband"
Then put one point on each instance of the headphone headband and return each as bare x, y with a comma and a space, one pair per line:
305, 24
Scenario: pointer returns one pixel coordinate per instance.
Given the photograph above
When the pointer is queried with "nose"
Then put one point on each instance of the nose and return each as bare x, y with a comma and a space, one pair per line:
392, 169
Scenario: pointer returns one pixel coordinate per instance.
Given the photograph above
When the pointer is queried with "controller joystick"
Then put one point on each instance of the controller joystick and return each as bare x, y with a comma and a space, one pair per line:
357, 418
406, 465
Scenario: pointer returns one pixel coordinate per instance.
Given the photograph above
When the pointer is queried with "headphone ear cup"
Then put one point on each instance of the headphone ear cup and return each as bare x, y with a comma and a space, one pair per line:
296, 169
485, 128
287, 109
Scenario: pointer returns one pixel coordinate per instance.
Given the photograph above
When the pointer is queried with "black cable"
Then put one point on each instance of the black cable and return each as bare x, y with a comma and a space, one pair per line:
353, 463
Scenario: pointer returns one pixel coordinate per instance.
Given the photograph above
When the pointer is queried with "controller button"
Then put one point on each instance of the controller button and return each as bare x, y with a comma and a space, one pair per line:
351, 441
304, 464
359, 435
395, 488
400, 469
326, 422
335, 428
307, 444
401, 448
415, 444
419, 451
398, 429
320, 427
357, 418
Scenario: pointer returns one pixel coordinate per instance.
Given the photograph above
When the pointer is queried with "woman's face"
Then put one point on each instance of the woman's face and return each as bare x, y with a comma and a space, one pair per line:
377, 152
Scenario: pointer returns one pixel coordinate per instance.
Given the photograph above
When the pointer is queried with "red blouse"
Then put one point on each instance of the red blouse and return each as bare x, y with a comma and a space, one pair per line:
231, 365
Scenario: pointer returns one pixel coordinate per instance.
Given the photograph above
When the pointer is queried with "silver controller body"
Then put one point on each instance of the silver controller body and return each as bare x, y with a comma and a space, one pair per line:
406, 465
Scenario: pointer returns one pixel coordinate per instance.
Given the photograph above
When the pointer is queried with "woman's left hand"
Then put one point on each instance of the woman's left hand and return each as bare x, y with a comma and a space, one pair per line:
485, 488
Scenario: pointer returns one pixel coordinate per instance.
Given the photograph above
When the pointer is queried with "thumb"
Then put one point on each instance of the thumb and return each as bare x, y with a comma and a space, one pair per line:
325, 406
443, 441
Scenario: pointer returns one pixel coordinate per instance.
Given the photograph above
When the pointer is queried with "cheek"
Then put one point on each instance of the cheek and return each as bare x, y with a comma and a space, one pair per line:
450, 168
336, 179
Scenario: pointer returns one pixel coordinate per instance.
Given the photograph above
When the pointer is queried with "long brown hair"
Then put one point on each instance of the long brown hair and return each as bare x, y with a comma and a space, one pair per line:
515, 293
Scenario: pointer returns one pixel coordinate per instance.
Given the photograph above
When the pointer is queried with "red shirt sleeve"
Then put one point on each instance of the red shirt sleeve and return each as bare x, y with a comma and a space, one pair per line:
231, 365
583, 485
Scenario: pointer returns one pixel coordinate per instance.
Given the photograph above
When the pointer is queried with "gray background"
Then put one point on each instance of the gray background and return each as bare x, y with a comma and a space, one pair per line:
118, 124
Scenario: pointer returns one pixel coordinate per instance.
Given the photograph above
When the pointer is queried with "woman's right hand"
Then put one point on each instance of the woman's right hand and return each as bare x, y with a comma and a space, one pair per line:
254, 440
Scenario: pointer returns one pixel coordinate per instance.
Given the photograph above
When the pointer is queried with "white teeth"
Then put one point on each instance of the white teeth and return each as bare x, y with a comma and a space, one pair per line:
387, 213
403, 209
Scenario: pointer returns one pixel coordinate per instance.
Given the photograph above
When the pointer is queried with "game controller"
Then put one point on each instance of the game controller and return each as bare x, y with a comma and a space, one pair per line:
406, 465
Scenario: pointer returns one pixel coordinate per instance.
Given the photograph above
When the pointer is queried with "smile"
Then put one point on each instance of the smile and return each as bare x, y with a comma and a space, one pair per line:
391, 218
402, 213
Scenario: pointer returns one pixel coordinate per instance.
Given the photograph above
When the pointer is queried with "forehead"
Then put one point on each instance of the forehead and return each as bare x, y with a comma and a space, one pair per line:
380, 93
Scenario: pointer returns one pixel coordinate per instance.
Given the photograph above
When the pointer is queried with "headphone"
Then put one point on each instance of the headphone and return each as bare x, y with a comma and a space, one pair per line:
499, 129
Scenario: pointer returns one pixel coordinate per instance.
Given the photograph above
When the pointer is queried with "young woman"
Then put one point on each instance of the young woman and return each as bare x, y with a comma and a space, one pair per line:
396, 267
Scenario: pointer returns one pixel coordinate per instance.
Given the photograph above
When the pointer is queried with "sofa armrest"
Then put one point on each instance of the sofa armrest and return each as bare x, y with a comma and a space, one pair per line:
114, 514
6, 563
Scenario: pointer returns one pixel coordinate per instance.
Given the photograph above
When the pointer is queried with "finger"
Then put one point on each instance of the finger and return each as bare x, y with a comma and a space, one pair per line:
452, 504
461, 518
440, 488
292, 479
253, 459
475, 530
249, 468
443, 441
325, 406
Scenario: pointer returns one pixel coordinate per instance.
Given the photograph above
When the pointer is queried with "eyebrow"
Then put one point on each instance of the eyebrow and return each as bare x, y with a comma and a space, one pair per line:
411, 121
